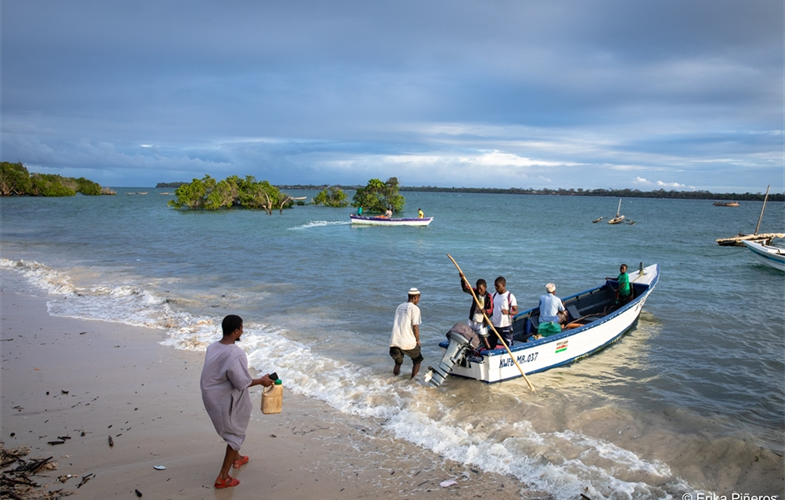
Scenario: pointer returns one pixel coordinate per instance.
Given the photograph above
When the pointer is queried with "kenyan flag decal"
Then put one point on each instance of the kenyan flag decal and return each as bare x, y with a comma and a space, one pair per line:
561, 346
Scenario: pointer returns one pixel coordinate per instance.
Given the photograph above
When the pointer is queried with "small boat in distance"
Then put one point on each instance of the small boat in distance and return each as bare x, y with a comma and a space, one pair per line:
384, 221
770, 255
598, 219
596, 321
618, 218
726, 203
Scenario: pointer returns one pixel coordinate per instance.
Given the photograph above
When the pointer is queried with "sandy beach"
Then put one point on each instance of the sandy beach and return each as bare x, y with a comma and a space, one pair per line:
91, 380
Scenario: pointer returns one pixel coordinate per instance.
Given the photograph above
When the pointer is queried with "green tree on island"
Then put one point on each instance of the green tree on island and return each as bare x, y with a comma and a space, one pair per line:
331, 197
376, 196
15, 179
209, 194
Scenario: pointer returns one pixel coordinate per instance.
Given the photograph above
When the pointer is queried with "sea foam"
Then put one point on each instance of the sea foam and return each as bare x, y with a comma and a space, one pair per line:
407, 410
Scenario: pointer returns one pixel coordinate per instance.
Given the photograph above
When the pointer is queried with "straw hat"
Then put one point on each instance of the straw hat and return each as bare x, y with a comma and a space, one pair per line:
550, 288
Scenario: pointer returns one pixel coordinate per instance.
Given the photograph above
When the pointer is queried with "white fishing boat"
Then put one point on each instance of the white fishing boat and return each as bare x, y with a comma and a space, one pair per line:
596, 321
384, 221
618, 218
767, 254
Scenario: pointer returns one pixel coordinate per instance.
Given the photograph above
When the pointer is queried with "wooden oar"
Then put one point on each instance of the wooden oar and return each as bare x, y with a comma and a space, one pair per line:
477, 301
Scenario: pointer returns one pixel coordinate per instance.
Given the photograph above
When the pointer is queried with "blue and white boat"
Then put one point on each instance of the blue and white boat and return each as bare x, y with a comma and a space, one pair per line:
596, 321
383, 221
767, 254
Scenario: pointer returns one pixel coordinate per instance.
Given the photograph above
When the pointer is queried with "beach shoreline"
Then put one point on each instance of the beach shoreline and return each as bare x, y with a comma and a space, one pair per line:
91, 380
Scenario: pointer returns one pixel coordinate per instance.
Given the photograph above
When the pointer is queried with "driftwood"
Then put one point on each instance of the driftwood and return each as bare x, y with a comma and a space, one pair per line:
280, 210
16, 484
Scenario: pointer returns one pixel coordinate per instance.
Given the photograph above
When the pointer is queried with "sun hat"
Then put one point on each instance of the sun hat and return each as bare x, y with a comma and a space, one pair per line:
550, 288
414, 291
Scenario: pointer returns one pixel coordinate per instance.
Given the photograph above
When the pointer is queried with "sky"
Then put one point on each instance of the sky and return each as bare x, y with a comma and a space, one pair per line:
672, 94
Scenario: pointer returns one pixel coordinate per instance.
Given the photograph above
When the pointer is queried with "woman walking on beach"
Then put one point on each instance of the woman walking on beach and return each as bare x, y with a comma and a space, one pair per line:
224, 383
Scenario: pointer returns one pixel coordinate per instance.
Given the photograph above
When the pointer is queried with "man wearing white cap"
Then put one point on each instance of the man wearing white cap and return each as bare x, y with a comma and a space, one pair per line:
405, 337
552, 312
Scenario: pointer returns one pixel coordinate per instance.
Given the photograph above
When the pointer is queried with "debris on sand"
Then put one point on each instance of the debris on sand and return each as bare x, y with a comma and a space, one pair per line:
15, 482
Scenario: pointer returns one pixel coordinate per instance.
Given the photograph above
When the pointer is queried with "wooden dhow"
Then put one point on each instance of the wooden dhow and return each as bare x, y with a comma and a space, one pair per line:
761, 238
619, 218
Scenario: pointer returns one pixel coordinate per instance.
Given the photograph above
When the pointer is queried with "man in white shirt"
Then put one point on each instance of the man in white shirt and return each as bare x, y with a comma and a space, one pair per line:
405, 337
505, 306
552, 312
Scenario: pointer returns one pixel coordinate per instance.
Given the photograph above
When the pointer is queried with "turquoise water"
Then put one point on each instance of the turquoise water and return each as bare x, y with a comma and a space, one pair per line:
653, 416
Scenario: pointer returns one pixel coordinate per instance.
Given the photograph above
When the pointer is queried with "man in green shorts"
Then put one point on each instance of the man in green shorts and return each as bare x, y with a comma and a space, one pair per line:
405, 337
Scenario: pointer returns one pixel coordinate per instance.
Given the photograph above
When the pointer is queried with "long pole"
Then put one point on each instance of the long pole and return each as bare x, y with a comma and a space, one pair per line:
763, 209
477, 301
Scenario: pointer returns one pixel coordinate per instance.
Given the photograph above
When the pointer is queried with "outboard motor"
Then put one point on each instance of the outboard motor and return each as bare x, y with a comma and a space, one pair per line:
462, 338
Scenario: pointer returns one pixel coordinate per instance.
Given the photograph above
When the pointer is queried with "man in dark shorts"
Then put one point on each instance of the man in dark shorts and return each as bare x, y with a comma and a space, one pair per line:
405, 337
505, 307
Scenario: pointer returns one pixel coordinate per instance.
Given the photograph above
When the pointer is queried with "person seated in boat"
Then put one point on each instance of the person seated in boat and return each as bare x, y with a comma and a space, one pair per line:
505, 306
476, 320
388, 214
623, 290
420, 213
552, 312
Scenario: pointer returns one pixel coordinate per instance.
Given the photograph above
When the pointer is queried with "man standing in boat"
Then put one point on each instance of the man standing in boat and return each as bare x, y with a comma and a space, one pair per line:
552, 312
405, 338
476, 320
505, 306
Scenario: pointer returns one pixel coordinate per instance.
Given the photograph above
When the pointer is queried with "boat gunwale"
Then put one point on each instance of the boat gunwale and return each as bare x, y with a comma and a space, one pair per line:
765, 250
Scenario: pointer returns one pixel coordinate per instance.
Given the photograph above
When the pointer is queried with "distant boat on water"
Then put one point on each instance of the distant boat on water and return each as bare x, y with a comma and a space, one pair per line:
383, 221
726, 203
619, 218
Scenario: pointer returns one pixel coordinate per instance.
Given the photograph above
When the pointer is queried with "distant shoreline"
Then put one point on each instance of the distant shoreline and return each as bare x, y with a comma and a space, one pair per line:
618, 193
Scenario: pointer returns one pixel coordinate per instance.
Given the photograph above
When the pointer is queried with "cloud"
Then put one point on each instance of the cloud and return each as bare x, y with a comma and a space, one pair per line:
640, 181
443, 93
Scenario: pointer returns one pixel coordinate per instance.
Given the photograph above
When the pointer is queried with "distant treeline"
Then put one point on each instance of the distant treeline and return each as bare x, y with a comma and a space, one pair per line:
15, 180
170, 184
620, 193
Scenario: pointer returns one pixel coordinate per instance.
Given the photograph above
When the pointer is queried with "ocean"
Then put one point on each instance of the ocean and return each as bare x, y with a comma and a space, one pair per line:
691, 400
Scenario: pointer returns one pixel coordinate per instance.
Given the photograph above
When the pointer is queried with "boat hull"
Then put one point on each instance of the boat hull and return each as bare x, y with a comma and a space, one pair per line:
771, 256
561, 349
381, 221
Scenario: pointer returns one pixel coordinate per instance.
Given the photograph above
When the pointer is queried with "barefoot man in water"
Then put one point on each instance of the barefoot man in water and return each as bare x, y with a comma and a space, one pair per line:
405, 337
225, 382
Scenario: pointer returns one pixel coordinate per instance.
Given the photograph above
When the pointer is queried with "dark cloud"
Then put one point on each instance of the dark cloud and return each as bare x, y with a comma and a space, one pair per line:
343, 91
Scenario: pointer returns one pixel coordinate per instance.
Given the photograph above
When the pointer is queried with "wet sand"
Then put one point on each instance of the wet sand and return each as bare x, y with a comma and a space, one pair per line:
121, 383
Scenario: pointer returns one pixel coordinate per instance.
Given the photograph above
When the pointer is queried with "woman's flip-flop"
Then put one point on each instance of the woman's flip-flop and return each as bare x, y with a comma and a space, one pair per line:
226, 483
240, 462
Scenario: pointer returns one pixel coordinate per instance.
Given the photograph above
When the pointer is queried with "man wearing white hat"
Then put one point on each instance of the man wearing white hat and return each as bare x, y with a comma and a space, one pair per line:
405, 337
552, 312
